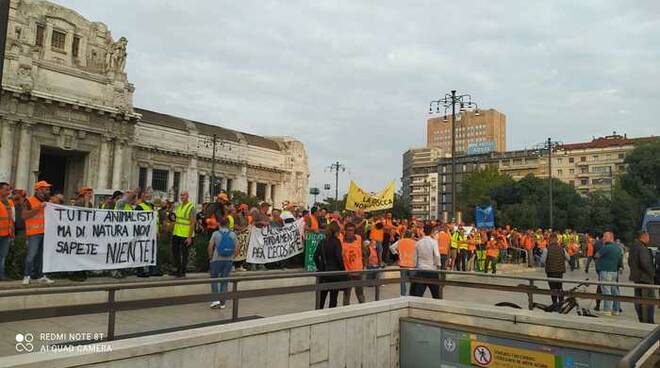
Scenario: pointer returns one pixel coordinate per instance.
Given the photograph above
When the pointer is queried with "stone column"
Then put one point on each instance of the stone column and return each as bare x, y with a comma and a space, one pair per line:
268, 195
240, 182
170, 184
252, 190
6, 150
274, 193
205, 192
104, 164
190, 182
23, 165
118, 166
150, 176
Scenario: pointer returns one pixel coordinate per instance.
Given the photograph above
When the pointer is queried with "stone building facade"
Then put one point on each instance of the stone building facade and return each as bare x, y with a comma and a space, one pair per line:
67, 116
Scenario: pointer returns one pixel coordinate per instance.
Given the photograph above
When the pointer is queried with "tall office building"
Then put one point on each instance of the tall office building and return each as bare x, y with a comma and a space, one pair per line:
475, 133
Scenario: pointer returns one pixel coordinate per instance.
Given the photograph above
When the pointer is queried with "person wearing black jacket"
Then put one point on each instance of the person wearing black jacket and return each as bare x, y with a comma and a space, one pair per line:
642, 271
327, 258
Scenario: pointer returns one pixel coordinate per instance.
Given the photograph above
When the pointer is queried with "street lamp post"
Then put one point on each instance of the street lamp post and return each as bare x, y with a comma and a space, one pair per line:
336, 167
212, 143
449, 101
549, 145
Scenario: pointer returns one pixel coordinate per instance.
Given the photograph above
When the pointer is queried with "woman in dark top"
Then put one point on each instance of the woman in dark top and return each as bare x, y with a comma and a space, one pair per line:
328, 258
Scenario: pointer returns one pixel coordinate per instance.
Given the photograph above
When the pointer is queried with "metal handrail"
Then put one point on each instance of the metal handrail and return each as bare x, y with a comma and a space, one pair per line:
111, 306
644, 349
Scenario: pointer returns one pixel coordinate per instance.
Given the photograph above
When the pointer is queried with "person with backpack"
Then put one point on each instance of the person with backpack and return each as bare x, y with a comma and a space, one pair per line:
222, 247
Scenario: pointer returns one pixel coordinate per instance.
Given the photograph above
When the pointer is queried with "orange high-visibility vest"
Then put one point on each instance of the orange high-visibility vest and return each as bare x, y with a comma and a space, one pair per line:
542, 244
373, 256
35, 224
377, 234
351, 253
492, 250
314, 222
590, 247
6, 218
406, 252
572, 249
444, 242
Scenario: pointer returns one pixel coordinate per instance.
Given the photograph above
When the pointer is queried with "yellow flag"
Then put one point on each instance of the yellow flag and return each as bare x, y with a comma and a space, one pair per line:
358, 199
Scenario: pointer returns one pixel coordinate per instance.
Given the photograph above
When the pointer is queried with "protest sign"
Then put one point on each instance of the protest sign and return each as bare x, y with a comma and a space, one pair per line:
358, 199
273, 243
242, 237
78, 239
312, 241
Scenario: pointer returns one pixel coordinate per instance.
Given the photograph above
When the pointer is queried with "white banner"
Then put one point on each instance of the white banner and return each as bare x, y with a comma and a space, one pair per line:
78, 239
271, 244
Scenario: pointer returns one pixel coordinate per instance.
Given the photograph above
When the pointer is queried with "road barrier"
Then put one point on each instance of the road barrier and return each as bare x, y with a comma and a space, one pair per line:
112, 306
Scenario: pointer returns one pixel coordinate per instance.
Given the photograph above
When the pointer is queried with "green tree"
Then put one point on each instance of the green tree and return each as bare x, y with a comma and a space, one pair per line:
401, 207
238, 197
477, 190
642, 177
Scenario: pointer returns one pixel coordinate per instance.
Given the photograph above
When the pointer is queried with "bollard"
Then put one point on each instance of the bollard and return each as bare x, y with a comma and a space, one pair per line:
530, 295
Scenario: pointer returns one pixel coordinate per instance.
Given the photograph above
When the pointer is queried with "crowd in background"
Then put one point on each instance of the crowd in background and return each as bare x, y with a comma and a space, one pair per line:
354, 241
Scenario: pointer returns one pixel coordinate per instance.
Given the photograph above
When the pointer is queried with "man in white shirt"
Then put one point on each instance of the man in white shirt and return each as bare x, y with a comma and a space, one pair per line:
427, 257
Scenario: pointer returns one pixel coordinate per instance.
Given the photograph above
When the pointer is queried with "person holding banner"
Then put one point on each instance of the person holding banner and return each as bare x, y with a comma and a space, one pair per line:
182, 234
222, 248
352, 255
33, 214
328, 257
145, 204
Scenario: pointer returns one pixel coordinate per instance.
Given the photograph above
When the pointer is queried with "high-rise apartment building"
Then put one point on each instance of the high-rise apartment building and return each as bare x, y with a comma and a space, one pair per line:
480, 132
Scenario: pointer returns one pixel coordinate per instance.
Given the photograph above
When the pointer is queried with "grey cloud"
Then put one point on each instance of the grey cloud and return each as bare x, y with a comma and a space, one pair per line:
352, 79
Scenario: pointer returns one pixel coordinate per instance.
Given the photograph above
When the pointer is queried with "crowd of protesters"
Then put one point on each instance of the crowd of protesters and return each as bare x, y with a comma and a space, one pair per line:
354, 241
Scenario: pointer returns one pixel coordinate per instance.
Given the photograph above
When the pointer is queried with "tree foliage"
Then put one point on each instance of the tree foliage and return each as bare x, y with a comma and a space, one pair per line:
525, 203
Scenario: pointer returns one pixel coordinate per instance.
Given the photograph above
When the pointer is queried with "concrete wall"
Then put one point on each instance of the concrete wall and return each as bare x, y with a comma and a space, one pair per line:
365, 335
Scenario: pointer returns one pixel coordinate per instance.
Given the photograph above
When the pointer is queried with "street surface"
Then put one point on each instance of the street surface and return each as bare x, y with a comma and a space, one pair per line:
140, 321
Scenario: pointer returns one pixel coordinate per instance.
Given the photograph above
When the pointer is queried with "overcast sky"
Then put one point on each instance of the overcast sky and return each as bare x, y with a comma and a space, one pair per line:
353, 79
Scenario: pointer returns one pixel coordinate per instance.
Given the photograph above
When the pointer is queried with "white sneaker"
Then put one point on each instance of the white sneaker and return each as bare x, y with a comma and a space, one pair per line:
26, 280
223, 306
215, 304
46, 280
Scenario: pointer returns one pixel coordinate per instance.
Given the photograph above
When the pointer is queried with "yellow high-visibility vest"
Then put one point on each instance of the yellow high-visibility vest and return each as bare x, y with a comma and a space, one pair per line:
182, 225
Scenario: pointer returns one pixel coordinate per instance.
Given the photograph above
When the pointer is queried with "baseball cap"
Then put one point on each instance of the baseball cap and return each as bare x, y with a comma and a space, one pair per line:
223, 197
41, 185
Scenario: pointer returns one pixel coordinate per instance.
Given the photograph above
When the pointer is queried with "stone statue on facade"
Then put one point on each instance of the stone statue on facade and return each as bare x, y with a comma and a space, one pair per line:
115, 59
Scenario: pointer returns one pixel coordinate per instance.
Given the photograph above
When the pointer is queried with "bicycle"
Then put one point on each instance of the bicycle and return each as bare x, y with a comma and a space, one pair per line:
565, 307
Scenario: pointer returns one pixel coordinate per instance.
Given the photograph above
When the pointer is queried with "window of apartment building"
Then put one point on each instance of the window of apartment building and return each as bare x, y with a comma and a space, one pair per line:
601, 169
560, 172
583, 158
57, 40
39, 41
571, 160
584, 181
571, 171
559, 160
159, 180
517, 161
621, 155
75, 46
200, 189
142, 178
595, 157
176, 185
620, 168
230, 182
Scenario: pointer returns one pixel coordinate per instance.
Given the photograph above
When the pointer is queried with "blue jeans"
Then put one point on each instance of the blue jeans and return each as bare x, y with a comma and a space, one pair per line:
220, 269
34, 256
404, 281
4, 249
608, 305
